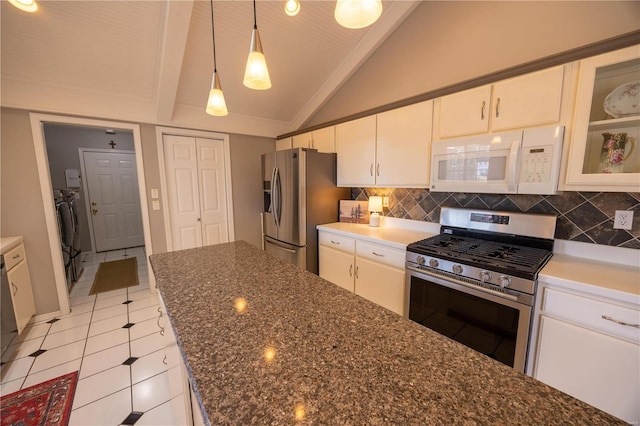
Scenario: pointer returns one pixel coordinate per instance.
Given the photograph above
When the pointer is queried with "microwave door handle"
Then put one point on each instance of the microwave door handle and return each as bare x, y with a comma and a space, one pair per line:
513, 166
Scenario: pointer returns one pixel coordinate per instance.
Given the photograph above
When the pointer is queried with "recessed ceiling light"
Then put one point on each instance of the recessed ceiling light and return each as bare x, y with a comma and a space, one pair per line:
26, 5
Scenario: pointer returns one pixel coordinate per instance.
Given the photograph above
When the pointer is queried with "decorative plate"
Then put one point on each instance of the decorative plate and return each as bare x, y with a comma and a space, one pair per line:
624, 100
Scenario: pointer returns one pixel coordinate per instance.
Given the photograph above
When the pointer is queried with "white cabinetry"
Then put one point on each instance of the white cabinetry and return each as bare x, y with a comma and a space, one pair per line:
324, 140
529, 100
589, 348
373, 271
284, 143
390, 149
20, 286
591, 165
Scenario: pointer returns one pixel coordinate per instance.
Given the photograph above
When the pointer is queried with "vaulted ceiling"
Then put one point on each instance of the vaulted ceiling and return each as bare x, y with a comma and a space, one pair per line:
152, 61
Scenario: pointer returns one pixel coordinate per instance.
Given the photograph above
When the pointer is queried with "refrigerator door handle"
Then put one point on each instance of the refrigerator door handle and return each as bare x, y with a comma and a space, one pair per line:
274, 197
280, 246
278, 213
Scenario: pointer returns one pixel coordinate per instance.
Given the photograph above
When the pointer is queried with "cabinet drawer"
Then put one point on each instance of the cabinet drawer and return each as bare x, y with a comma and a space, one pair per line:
337, 242
15, 256
589, 312
381, 254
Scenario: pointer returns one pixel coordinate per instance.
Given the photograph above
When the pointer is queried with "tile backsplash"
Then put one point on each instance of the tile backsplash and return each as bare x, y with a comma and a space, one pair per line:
582, 216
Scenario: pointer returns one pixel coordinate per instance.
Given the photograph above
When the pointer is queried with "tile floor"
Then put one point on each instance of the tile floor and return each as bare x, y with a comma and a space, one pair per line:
113, 340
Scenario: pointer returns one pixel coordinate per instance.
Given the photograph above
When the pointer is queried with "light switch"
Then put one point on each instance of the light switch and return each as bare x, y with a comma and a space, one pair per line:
154, 193
156, 205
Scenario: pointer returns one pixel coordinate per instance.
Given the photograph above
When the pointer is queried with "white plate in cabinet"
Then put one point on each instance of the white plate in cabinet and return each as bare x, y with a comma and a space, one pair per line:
528, 100
588, 167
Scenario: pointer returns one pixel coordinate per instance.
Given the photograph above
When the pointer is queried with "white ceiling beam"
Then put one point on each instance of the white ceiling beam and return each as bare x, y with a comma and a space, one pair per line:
176, 31
395, 13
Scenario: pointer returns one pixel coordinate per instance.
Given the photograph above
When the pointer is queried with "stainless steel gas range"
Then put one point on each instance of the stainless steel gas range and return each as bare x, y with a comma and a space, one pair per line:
475, 282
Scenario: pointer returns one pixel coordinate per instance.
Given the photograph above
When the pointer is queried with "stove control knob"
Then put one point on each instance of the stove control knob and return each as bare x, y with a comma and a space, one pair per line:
485, 276
421, 260
457, 269
504, 281
433, 263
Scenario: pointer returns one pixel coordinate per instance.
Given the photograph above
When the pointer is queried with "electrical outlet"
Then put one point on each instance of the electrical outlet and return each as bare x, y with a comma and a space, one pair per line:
385, 202
154, 193
623, 219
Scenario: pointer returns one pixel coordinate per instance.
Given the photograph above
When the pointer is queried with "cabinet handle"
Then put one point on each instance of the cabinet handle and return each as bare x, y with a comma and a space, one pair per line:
371, 169
482, 110
608, 318
17, 256
164, 360
378, 170
498, 108
335, 242
15, 288
357, 272
377, 254
350, 270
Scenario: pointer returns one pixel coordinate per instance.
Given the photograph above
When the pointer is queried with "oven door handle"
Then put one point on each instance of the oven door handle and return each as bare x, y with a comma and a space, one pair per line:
462, 283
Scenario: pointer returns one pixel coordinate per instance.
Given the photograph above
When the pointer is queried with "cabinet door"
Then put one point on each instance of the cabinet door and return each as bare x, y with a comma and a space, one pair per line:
21, 294
336, 266
529, 100
380, 284
324, 140
402, 146
465, 113
282, 144
356, 147
606, 104
598, 369
302, 141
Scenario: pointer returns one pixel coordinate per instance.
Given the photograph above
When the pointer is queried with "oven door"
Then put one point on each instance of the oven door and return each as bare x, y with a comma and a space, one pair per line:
495, 325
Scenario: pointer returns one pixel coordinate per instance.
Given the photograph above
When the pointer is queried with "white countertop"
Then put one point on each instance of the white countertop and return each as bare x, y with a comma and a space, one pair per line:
7, 243
397, 233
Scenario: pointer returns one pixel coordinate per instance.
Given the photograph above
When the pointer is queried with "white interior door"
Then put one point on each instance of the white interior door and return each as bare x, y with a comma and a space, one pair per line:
196, 191
213, 206
112, 184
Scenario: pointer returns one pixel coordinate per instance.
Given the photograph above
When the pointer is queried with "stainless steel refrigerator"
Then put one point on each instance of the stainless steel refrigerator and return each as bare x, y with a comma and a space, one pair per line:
299, 193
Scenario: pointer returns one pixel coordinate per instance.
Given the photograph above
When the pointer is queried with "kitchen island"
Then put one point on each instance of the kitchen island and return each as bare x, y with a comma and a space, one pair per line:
267, 343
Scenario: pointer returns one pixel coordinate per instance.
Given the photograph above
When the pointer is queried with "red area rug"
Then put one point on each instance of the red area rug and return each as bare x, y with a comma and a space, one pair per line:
48, 403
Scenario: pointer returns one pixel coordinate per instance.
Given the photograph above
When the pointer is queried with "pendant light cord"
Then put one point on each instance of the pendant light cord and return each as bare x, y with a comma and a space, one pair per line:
255, 22
213, 33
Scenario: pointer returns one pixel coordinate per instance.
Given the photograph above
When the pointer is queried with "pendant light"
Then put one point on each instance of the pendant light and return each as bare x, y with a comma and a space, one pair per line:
291, 7
26, 5
256, 74
356, 14
216, 104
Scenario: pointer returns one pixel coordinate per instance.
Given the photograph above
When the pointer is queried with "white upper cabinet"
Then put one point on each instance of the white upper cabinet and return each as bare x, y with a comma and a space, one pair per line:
390, 149
529, 100
282, 144
323, 140
356, 147
403, 146
603, 154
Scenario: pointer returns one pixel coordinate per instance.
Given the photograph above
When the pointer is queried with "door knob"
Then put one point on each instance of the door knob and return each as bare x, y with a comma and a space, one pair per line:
93, 204
94, 211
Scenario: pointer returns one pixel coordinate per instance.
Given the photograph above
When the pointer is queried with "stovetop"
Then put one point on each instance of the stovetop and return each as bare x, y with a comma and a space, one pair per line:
487, 254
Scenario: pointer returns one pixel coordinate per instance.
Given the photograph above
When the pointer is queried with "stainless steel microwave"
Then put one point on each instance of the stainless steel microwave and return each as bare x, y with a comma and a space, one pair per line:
517, 162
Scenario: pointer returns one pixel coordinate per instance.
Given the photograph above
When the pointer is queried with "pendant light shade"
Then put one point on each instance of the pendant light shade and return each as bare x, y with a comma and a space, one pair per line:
292, 7
215, 104
356, 14
26, 5
256, 74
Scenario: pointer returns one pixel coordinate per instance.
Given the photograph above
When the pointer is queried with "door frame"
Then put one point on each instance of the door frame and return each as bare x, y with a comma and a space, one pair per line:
160, 132
42, 163
85, 185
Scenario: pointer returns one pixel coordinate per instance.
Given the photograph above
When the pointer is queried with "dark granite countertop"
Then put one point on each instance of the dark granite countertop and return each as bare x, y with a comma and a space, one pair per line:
303, 350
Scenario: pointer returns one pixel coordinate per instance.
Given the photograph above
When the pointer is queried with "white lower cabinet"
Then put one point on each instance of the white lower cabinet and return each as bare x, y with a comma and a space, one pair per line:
20, 286
183, 402
582, 351
373, 271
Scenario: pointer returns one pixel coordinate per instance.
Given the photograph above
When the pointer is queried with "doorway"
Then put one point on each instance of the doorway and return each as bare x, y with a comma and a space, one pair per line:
37, 127
112, 199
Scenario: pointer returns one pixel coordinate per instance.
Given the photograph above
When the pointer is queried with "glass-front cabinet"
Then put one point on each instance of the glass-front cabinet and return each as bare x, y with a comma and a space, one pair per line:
604, 153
